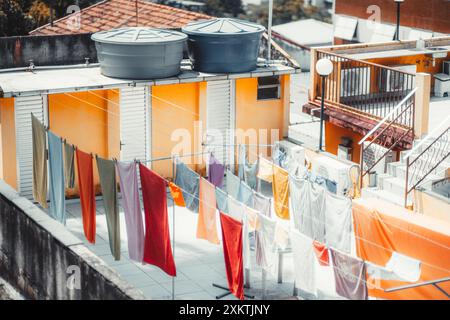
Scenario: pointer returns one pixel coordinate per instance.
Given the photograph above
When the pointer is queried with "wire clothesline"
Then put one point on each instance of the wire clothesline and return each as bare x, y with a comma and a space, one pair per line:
180, 107
207, 204
266, 159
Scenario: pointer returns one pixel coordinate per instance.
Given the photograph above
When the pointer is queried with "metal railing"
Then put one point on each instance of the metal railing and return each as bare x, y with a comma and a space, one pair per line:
425, 158
365, 87
387, 134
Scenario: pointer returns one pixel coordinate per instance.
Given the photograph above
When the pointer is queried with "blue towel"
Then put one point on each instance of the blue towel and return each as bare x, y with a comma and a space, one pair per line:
250, 173
245, 194
222, 200
189, 182
232, 184
56, 173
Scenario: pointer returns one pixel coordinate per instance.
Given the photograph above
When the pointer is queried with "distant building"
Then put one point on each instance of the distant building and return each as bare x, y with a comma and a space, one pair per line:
298, 37
354, 20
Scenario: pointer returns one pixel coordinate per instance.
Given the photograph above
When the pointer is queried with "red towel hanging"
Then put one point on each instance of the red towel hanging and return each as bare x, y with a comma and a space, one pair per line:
321, 252
87, 193
157, 249
232, 251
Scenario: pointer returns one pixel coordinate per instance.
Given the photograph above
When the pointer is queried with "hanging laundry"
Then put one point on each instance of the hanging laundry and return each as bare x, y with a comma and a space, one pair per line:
245, 194
375, 271
349, 275
250, 172
302, 250
188, 181
338, 222
235, 209
250, 224
108, 182
131, 204
216, 171
266, 250
157, 249
232, 251
39, 162
232, 184
307, 201
87, 193
265, 170
242, 161
280, 188
330, 185
177, 194
404, 267
222, 200
321, 252
69, 165
262, 204
281, 236
56, 175
206, 224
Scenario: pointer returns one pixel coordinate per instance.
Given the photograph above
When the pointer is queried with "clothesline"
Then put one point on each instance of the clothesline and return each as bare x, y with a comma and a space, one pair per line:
408, 231
308, 217
242, 204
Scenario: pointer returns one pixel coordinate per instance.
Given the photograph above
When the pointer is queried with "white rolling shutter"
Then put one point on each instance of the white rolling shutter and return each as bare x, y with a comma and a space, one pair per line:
220, 118
135, 123
23, 108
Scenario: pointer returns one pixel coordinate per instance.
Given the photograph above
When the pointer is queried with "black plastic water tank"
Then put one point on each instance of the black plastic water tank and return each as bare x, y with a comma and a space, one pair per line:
223, 45
139, 53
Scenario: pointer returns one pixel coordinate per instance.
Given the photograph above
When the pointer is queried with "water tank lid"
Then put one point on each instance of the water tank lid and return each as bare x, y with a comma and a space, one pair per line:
138, 36
222, 26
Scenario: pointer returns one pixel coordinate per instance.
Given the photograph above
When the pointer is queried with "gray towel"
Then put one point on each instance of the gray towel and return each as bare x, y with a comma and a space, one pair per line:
232, 185
245, 194
69, 167
222, 200
107, 174
189, 182
261, 204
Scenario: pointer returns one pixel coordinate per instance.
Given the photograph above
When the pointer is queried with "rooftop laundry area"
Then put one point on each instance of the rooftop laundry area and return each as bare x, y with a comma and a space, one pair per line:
182, 185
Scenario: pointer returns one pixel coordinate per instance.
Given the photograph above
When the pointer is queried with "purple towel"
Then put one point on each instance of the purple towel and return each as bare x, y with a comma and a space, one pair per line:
132, 207
216, 172
349, 275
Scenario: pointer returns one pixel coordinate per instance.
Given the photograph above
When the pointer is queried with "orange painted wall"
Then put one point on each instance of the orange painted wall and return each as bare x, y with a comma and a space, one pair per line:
333, 136
89, 121
174, 108
8, 161
260, 114
423, 62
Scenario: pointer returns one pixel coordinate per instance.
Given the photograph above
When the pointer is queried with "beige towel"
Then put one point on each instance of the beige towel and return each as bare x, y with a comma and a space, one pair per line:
39, 162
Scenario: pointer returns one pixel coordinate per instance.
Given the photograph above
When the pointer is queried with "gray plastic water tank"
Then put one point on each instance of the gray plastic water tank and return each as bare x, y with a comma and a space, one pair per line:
139, 53
223, 45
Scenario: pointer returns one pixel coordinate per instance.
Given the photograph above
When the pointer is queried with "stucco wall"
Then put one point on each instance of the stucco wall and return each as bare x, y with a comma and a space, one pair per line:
36, 253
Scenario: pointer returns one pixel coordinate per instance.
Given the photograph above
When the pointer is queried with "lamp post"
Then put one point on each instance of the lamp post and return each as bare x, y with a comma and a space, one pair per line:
323, 67
397, 32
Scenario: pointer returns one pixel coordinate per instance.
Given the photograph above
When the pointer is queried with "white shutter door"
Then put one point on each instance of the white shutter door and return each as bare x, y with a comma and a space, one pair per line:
135, 123
23, 108
220, 118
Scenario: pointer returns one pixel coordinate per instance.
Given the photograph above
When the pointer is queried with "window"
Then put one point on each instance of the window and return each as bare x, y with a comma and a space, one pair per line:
268, 88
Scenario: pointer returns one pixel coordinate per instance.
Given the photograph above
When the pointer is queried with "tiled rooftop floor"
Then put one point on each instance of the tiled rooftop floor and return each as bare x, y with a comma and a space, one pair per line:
199, 263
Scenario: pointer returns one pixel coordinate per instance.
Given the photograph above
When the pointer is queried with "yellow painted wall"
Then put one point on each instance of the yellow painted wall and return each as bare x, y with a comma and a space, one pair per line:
260, 114
8, 161
174, 108
89, 121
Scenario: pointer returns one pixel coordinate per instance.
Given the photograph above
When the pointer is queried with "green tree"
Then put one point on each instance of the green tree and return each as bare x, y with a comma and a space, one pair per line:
220, 8
13, 20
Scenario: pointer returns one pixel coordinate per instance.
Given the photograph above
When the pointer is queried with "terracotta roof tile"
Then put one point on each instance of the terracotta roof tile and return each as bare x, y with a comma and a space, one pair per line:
111, 14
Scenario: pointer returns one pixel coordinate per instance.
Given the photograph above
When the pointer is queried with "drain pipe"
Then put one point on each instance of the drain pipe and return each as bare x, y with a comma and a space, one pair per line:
269, 32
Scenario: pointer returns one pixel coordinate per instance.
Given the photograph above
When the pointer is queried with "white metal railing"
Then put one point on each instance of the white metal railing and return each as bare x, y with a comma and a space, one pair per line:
430, 136
386, 118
